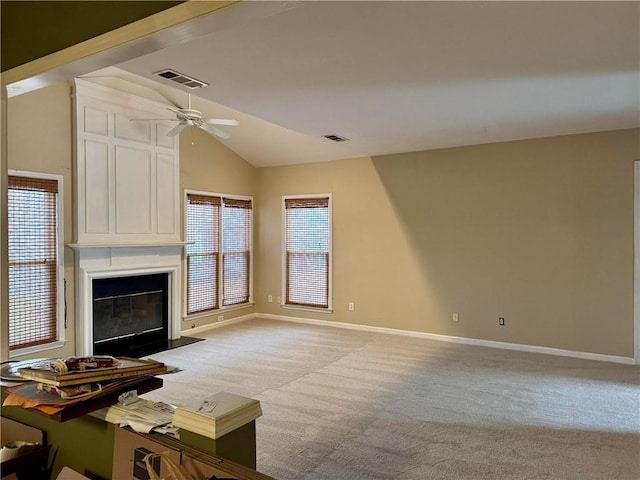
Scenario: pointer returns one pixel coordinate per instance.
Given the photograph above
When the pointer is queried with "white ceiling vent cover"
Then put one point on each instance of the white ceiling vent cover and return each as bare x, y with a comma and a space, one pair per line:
180, 78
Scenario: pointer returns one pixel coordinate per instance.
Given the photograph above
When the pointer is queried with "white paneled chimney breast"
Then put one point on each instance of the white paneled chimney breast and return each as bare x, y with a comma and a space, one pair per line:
126, 198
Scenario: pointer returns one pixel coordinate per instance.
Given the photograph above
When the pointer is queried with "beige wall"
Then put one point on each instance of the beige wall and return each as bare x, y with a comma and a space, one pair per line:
537, 231
207, 165
39, 140
4, 273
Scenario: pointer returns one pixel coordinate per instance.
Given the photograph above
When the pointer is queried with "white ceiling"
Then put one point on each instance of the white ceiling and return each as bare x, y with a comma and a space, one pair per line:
405, 76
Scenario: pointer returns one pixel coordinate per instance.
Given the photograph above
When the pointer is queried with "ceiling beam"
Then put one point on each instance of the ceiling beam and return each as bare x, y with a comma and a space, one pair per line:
169, 27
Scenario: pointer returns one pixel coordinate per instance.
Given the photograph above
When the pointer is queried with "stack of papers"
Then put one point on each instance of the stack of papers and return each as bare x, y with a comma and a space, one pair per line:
127, 367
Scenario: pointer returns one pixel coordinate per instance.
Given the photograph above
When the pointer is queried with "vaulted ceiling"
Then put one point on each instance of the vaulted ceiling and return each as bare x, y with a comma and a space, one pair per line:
403, 76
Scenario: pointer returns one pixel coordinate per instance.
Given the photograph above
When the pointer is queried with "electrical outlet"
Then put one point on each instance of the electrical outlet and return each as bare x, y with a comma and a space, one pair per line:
352, 306
454, 317
270, 298
279, 299
501, 321
220, 318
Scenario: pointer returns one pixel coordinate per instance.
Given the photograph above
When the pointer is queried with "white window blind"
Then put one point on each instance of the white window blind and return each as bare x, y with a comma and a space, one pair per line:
307, 252
236, 248
219, 232
33, 261
203, 225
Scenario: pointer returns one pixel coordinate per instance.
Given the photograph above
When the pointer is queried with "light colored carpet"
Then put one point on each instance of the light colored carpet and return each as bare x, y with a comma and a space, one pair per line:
342, 404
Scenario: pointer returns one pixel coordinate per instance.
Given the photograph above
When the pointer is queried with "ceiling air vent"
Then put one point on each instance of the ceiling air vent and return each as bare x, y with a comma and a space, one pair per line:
335, 138
180, 78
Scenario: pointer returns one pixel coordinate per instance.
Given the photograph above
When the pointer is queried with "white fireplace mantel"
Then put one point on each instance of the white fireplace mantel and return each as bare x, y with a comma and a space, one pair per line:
93, 246
111, 261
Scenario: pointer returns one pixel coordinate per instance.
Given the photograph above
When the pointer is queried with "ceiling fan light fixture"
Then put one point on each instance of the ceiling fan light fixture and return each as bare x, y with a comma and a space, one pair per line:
182, 79
189, 117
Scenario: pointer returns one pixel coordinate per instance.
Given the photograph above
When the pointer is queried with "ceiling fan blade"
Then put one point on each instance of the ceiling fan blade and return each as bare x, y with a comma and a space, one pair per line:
214, 131
176, 130
221, 121
153, 119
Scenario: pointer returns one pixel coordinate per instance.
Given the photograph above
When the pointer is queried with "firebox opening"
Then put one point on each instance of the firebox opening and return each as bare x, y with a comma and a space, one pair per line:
130, 314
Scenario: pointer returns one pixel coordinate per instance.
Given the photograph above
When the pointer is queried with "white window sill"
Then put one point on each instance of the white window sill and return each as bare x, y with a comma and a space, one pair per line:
306, 309
219, 311
37, 348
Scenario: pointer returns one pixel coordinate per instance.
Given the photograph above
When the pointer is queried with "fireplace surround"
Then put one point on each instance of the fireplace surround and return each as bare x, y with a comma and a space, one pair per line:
99, 262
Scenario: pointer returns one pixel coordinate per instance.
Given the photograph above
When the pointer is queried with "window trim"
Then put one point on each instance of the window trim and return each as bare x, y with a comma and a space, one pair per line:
283, 294
60, 280
221, 309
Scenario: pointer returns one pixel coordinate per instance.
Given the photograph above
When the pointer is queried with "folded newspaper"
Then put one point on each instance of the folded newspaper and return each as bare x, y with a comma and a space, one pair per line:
141, 415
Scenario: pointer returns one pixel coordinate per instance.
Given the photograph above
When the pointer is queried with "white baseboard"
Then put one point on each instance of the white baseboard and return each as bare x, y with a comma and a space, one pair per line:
212, 326
448, 338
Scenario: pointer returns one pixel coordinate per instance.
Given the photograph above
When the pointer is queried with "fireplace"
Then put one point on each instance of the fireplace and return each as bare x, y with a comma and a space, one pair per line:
137, 312
130, 314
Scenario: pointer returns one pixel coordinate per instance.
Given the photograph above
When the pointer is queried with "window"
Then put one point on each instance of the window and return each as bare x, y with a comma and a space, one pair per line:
218, 233
203, 225
236, 250
35, 260
307, 255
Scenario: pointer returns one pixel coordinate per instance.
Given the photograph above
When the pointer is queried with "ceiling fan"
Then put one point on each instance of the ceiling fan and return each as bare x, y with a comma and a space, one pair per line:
188, 117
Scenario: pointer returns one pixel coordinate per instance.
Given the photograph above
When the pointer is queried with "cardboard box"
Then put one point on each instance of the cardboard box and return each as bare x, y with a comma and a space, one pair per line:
128, 451
195, 463
69, 474
10, 430
32, 464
